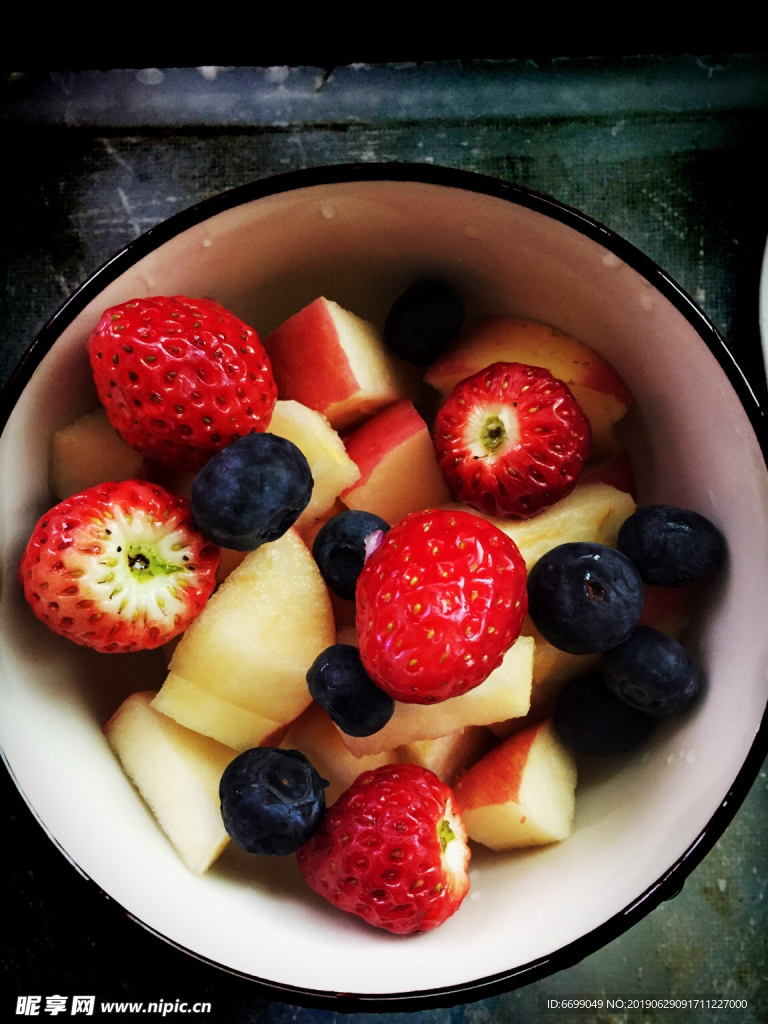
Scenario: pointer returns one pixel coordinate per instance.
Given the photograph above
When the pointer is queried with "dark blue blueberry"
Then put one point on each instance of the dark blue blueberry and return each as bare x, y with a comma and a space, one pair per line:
272, 800
339, 548
591, 720
423, 321
342, 687
585, 598
652, 672
252, 491
671, 546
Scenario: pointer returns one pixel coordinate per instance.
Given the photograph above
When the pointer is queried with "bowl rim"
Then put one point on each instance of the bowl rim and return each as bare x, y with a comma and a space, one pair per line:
672, 881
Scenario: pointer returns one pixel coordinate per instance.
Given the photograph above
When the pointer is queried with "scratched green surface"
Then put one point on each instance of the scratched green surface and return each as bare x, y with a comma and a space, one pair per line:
667, 152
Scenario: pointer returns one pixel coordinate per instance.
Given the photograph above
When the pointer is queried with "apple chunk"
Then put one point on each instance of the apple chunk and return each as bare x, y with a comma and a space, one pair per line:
449, 755
591, 512
332, 468
253, 642
177, 772
597, 387
314, 734
333, 361
89, 452
207, 713
521, 793
398, 468
506, 693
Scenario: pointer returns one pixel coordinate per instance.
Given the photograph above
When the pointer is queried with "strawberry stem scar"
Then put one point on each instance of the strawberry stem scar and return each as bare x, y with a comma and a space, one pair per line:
145, 566
493, 433
445, 833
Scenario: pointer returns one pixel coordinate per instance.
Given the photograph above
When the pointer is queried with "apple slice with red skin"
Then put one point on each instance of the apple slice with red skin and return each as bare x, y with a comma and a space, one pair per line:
521, 793
398, 469
335, 362
602, 394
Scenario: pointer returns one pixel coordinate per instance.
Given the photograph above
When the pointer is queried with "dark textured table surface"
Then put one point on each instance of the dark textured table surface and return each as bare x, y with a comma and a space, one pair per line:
667, 151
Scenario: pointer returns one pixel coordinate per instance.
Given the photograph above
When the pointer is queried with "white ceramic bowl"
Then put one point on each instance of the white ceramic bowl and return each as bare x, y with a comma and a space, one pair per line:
359, 235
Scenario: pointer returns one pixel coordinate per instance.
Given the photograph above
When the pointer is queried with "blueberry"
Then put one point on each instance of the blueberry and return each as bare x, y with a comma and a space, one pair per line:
340, 548
342, 687
671, 546
252, 491
584, 598
652, 672
423, 321
272, 800
592, 720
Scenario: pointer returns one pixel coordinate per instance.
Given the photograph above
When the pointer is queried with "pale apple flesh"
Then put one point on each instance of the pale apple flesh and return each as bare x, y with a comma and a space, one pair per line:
449, 755
314, 735
209, 714
521, 793
332, 468
593, 511
335, 362
506, 693
398, 468
177, 772
253, 643
89, 452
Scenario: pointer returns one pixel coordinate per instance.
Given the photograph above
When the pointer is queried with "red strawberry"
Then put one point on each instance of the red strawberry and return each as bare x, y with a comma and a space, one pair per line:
511, 440
118, 567
439, 603
180, 378
392, 850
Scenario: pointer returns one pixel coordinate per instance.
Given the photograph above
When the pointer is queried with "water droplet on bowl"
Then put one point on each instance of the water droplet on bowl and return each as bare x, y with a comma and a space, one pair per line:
612, 261
150, 76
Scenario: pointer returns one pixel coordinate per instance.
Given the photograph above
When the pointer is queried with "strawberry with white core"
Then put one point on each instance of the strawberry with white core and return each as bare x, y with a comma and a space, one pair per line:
118, 567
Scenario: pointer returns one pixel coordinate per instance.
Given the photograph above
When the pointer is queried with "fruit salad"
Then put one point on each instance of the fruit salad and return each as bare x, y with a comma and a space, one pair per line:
398, 603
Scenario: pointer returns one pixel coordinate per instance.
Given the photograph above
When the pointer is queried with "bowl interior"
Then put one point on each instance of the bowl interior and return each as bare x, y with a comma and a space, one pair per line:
361, 244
